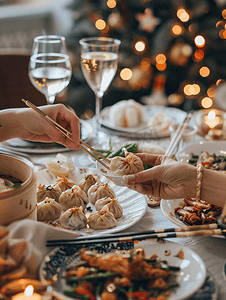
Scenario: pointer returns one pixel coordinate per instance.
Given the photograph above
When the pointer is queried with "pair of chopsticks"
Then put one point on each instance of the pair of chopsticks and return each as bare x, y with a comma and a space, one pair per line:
196, 230
68, 134
178, 134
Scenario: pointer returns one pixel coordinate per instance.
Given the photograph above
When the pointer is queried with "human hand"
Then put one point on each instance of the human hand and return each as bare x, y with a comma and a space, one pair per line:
167, 178
36, 128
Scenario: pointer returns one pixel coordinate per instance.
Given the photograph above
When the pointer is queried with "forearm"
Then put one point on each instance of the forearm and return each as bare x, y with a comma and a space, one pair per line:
213, 187
9, 124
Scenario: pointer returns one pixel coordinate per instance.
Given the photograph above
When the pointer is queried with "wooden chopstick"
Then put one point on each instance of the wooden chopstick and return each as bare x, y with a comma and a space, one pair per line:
178, 134
196, 230
67, 133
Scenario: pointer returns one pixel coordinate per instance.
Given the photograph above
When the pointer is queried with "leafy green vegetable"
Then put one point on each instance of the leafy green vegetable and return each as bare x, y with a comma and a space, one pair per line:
15, 186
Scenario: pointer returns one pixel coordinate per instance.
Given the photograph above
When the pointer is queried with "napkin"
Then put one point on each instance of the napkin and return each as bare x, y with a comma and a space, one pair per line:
29, 238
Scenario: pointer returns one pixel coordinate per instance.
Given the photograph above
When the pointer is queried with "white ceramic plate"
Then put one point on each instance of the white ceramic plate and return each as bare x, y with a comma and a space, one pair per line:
217, 147
191, 276
134, 204
21, 145
143, 130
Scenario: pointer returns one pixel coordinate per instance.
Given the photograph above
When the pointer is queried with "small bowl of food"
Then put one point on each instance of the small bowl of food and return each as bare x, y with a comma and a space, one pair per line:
120, 166
18, 186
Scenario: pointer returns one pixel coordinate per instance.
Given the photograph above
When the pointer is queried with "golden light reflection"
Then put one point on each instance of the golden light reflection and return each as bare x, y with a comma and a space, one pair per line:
111, 3
140, 46
126, 74
199, 41
100, 24
206, 102
204, 71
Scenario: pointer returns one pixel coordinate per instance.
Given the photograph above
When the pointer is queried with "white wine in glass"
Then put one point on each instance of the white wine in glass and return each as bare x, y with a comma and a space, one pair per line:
49, 67
99, 62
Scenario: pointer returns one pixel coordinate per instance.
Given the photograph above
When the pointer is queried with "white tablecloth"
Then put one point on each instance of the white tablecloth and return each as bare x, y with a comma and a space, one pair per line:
211, 249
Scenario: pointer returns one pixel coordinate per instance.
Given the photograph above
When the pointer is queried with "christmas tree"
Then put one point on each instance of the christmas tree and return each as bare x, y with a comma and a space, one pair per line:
173, 47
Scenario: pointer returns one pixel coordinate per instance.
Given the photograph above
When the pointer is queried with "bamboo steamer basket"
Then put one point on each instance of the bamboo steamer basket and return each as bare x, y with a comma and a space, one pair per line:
18, 203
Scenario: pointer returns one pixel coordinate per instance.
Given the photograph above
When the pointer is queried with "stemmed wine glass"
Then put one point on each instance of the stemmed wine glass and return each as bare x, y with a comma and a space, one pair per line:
99, 62
49, 67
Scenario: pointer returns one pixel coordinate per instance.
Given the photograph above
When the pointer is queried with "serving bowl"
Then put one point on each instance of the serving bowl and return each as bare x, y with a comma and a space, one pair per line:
17, 202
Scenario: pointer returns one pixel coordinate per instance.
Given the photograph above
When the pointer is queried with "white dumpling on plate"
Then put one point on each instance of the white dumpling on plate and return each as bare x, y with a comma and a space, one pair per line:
64, 183
49, 191
114, 207
74, 218
102, 219
73, 197
126, 113
87, 182
48, 210
130, 164
100, 190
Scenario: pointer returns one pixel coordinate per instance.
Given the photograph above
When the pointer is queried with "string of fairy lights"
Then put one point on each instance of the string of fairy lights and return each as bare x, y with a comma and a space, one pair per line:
195, 50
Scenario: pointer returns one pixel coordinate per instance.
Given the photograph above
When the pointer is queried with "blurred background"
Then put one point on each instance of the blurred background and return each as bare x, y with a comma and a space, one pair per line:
173, 52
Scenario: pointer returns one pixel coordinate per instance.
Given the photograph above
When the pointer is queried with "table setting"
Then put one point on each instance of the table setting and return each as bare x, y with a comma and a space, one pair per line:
49, 221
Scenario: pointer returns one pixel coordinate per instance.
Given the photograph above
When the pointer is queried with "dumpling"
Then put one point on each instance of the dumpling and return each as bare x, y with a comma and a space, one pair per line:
64, 183
114, 207
87, 182
100, 190
101, 203
126, 113
74, 218
49, 191
48, 210
126, 165
73, 197
102, 219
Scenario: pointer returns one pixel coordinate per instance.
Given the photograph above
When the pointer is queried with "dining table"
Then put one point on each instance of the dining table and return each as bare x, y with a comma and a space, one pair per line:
211, 249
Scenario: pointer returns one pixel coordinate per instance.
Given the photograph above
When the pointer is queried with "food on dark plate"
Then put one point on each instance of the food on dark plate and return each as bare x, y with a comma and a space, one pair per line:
193, 212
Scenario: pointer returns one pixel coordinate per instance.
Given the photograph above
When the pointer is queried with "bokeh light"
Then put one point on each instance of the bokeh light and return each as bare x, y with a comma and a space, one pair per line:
200, 41
199, 55
160, 58
145, 64
175, 99
183, 15
161, 67
204, 71
111, 3
126, 74
219, 81
140, 46
177, 29
224, 13
100, 24
211, 92
206, 102
191, 89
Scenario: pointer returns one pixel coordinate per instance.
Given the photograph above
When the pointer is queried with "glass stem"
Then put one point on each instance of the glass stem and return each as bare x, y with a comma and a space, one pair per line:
99, 97
50, 99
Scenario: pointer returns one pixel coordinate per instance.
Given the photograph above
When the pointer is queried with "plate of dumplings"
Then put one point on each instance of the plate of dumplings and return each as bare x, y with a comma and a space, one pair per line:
140, 121
87, 202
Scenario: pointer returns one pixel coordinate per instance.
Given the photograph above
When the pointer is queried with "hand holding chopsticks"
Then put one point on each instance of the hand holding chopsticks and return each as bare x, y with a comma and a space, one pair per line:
188, 231
68, 134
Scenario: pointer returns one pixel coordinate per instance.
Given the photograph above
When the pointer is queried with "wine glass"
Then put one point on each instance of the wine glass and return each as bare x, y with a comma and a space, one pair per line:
99, 62
49, 67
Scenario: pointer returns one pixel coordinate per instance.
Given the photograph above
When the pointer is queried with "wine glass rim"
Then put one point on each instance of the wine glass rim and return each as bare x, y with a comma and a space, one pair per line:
49, 38
91, 41
37, 58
